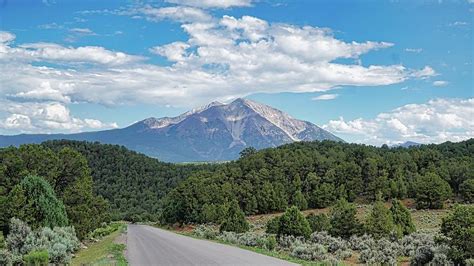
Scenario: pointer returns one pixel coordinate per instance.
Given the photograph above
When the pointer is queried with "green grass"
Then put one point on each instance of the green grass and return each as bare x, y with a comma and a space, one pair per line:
103, 252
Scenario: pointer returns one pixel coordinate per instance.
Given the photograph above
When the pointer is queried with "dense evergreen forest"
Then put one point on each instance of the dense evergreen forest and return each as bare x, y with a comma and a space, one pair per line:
131, 182
316, 174
46, 189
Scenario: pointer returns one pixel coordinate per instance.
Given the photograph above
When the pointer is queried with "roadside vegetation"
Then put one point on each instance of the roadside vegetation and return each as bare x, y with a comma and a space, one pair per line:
370, 241
105, 246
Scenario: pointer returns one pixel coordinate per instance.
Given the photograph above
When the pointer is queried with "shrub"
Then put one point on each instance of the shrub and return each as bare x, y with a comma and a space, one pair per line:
410, 243
361, 242
204, 231
19, 231
458, 227
431, 191
235, 219
270, 242
402, 219
292, 222
60, 242
423, 255
5, 257
343, 219
104, 230
383, 252
332, 243
466, 189
287, 242
229, 237
319, 222
379, 223
469, 262
2, 240
309, 252
273, 225
37, 258
343, 254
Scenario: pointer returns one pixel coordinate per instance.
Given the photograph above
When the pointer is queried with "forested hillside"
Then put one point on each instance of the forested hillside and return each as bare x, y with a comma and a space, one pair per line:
133, 183
315, 174
46, 188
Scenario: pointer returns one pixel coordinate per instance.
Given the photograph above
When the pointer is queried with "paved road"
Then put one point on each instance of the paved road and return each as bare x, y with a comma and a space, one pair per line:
148, 245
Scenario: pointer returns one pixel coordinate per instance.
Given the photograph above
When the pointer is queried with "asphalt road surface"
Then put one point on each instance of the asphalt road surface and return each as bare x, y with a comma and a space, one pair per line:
148, 245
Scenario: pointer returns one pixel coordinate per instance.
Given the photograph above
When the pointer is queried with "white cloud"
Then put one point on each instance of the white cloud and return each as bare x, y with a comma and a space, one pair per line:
82, 31
50, 52
220, 59
212, 3
414, 50
45, 118
175, 51
325, 97
424, 73
6, 37
440, 83
436, 121
177, 13
458, 23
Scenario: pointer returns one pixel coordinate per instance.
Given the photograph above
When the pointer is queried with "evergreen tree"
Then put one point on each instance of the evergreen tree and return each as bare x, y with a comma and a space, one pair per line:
273, 225
402, 218
293, 222
466, 189
343, 219
380, 222
322, 196
34, 201
235, 220
458, 227
319, 222
431, 191
299, 200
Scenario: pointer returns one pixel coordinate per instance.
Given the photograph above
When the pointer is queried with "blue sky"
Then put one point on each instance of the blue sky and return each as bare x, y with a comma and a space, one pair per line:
369, 71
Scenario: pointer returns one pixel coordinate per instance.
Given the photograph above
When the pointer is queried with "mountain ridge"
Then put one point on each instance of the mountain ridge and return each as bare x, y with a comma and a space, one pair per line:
213, 132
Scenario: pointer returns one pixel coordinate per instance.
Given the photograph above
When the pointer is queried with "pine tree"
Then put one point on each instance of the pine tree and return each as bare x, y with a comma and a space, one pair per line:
34, 201
273, 225
299, 200
235, 220
293, 222
343, 219
380, 221
319, 222
402, 218
431, 191
458, 228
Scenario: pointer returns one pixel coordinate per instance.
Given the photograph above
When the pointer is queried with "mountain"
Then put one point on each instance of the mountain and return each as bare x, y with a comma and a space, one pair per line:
407, 144
213, 132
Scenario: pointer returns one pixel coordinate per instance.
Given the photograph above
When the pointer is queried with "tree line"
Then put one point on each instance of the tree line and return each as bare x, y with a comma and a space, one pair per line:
316, 174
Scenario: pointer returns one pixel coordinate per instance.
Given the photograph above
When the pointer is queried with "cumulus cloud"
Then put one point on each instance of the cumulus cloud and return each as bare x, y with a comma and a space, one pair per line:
324, 97
436, 121
50, 52
221, 58
212, 3
44, 118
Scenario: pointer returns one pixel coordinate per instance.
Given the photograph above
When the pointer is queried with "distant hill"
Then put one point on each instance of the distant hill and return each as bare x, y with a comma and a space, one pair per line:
215, 132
